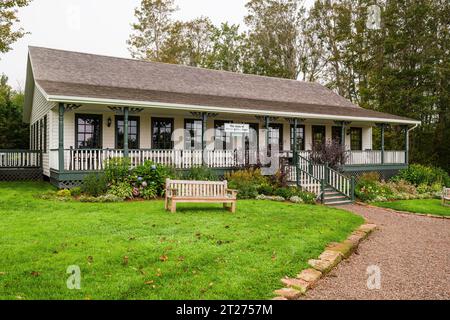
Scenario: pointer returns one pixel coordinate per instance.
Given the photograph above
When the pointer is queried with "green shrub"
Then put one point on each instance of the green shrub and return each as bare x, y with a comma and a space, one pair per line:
100, 199
152, 174
63, 193
248, 182
286, 193
117, 170
94, 185
121, 190
418, 174
401, 186
370, 176
76, 192
371, 190
307, 197
201, 173
266, 189
149, 192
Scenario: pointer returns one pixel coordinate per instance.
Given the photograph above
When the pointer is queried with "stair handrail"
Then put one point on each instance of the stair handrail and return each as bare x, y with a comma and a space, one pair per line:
332, 178
317, 182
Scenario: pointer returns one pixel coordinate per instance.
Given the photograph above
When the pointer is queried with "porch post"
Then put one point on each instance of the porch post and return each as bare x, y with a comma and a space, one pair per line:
61, 138
125, 132
406, 144
266, 126
343, 135
294, 150
382, 143
204, 119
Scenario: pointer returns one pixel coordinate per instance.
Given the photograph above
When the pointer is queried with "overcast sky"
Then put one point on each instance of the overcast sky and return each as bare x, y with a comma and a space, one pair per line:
96, 26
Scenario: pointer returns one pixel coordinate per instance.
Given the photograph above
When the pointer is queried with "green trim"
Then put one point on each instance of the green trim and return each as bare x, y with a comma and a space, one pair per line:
373, 167
61, 137
125, 132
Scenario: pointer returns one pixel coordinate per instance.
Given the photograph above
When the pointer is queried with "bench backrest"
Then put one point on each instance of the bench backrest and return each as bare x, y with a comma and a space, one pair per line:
192, 188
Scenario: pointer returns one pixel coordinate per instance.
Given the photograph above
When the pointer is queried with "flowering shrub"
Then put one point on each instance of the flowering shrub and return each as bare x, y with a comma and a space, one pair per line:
121, 190
248, 182
418, 174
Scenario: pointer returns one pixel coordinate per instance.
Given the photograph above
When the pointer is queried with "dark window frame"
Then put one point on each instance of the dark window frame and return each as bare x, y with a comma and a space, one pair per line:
191, 139
358, 141
226, 137
138, 131
322, 129
100, 127
338, 130
153, 121
291, 138
278, 126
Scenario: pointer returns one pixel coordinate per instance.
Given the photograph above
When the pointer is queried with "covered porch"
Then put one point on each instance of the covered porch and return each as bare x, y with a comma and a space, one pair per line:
85, 136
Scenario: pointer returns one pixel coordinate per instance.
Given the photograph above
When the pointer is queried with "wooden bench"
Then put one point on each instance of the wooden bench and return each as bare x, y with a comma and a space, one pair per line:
445, 195
199, 191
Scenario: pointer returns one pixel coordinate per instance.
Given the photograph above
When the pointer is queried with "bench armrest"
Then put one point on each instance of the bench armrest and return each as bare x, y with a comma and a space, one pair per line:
233, 192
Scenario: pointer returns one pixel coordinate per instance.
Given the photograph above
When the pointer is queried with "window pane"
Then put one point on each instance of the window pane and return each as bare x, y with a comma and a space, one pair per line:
162, 133
193, 134
318, 135
88, 131
133, 132
300, 137
356, 138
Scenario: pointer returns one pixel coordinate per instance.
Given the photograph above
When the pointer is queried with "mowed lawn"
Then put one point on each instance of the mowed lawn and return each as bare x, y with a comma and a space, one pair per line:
136, 250
426, 206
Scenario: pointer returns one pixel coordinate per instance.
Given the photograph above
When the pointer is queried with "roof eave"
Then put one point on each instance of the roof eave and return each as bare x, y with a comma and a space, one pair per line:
187, 107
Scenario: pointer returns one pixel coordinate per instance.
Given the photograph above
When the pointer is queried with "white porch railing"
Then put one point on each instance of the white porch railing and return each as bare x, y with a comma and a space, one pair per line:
94, 159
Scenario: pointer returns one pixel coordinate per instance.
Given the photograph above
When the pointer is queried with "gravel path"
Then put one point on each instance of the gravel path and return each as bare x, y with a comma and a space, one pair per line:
413, 254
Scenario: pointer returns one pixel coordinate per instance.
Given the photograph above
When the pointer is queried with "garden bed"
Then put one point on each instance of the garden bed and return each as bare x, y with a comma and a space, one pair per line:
136, 250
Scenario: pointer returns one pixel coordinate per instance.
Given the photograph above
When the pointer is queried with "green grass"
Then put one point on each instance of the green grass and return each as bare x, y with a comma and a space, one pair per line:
428, 206
211, 253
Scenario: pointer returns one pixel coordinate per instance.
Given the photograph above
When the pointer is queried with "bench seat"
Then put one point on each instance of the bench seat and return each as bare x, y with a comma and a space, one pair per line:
199, 191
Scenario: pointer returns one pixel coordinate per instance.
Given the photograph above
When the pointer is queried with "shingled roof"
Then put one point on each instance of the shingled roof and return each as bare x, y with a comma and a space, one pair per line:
79, 75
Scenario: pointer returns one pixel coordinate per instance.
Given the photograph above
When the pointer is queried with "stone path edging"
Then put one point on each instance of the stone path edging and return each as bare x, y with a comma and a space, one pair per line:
334, 253
405, 212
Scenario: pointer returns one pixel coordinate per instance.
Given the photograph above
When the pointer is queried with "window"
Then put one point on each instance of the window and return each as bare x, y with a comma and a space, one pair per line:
133, 132
88, 132
45, 133
41, 134
221, 138
318, 135
193, 134
336, 134
162, 129
356, 138
275, 136
300, 131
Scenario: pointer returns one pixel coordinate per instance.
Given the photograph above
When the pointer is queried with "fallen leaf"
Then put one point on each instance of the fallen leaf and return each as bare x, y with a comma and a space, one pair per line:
125, 260
180, 258
149, 282
164, 258
2, 273
35, 273
90, 259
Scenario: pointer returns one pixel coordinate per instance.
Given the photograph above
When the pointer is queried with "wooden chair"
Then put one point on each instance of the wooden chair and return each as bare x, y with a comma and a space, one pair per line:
445, 195
199, 191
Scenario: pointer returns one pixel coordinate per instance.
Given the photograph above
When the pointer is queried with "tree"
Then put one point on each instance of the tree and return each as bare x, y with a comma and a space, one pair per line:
152, 29
13, 132
8, 17
273, 39
227, 48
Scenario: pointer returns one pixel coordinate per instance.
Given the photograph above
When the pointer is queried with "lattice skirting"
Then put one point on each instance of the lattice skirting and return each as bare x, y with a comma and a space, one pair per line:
20, 174
384, 174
